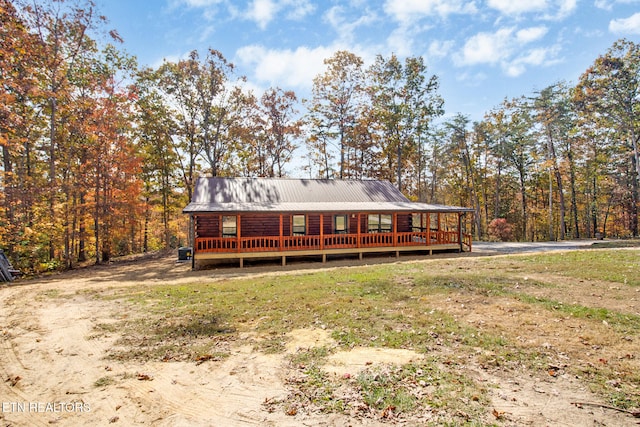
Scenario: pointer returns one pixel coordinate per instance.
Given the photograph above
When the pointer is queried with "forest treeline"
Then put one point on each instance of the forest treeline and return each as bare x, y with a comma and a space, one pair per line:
100, 155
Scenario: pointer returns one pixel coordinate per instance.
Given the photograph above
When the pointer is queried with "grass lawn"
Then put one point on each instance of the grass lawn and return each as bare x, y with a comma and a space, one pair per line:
572, 313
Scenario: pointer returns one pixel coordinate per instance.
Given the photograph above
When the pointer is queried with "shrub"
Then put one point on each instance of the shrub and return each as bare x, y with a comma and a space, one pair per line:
499, 229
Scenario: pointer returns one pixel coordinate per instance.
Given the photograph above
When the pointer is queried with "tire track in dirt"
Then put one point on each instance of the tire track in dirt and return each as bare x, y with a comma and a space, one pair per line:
225, 392
16, 375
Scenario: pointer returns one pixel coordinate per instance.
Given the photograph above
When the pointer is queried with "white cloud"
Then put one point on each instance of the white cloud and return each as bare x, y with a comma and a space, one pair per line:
262, 12
551, 9
567, 7
528, 35
603, 4
286, 68
630, 25
608, 4
513, 7
344, 25
440, 49
299, 9
407, 11
508, 49
400, 41
487, 48
199, 3
534, 57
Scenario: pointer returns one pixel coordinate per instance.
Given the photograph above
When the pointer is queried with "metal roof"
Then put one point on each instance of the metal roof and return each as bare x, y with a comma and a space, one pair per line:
302, 195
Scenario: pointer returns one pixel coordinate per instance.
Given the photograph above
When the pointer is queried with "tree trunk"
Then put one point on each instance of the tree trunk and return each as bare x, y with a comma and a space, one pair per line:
572, 185
634, 197
523, 196
52, 173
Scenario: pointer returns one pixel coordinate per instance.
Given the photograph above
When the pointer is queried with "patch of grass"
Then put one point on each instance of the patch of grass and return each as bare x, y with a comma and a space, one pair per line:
103, 382
618, 266
166, 338
612, 244
621, 323
619, 388
53, 294
423, 387
401, 305
312, 356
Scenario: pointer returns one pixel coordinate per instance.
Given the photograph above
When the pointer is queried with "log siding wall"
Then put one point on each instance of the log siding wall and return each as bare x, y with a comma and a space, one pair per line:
268, 225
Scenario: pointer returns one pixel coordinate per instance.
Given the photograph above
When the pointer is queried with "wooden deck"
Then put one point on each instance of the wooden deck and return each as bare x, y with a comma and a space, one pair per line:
221, 248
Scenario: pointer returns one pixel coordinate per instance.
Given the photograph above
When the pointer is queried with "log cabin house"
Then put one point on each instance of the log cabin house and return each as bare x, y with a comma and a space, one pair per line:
242, 218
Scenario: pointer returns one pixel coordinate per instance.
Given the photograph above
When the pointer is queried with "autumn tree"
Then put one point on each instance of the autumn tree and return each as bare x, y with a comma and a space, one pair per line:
551, 111
404, 101
511, 130
334, 109
463, 159
205, 106
18, 126
62, 30
435, 165
610, 88
160, 159
280, 128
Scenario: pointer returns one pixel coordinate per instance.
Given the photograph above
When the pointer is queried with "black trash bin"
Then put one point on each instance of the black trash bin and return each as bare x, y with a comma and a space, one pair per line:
184, 254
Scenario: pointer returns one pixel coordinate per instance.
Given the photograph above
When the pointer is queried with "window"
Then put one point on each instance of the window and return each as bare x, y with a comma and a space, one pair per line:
434, 221
380, 223
340, 224
417, 222
299, 225
229, 226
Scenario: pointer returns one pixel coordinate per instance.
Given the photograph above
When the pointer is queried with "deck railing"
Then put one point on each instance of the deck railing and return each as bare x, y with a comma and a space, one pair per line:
328, 241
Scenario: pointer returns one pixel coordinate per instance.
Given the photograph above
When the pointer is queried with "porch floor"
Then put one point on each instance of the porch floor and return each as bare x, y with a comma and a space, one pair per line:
211, 256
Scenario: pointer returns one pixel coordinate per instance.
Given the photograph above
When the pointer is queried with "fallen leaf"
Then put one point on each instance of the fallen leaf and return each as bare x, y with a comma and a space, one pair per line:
144, 377
498, 414
292, 410
388, 412
13, 381
204, 358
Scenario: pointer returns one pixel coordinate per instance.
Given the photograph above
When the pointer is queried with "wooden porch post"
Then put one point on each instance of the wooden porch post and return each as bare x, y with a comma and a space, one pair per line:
280, 240
324, 255
394, 224
428, 227
239, 226
460, 231
321, 231
359, 244
192, 240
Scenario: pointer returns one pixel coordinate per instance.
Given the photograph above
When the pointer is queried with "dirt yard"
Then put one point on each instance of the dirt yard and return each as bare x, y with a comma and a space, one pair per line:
54, 370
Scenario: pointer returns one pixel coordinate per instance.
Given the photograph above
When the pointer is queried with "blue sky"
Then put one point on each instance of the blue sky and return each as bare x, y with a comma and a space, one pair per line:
482, 51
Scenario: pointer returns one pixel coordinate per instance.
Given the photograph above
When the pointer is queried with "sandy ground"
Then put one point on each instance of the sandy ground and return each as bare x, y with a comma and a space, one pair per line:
51, 364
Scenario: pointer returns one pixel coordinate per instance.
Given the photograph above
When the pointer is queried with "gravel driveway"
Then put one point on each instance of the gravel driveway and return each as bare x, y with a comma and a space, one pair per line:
518, 247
